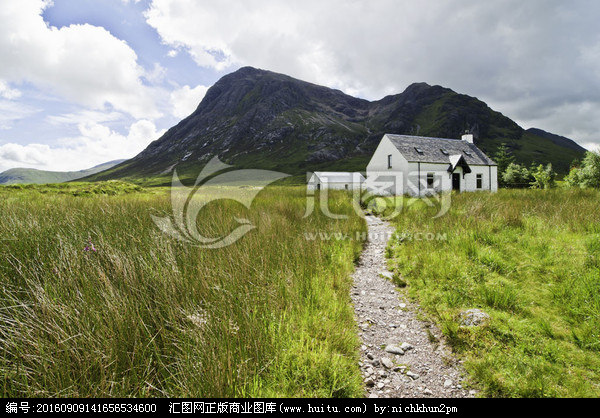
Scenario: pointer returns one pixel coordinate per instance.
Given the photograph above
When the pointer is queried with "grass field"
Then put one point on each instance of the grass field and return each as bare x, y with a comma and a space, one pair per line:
531, 260
142, 315
96, 302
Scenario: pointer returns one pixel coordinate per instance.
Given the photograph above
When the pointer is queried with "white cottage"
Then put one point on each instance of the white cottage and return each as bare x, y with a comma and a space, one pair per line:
420, 166
335, 180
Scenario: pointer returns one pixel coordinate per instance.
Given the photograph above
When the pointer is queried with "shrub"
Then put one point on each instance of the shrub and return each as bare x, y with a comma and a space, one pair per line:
517, 176
588, 175
543, 177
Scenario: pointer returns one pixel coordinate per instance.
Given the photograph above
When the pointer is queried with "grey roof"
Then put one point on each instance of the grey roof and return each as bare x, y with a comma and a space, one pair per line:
438, 150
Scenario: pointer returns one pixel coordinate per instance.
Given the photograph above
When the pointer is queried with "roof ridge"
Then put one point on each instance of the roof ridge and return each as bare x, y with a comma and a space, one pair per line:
427, 137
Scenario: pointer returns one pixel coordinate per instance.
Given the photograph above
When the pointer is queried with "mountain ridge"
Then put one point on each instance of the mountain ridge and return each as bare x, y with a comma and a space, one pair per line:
254, 118
34, 176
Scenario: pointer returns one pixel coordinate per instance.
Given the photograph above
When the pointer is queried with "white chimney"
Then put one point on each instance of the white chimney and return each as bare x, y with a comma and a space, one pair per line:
468, 137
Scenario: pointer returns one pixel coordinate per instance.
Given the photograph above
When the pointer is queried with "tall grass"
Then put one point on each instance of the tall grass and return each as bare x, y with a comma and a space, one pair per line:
529, 258
145, 315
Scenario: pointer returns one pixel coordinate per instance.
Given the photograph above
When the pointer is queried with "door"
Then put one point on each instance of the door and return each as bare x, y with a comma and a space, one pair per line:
456, 181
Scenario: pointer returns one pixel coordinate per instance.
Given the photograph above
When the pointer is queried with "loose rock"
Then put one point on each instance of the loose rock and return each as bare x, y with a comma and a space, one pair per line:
473, 318
406, 346
394, 349
412, 375
387, 363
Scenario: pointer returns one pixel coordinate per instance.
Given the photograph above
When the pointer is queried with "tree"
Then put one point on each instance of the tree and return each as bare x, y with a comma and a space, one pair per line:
588, 174
543, 177
573, 179
516, 175
504, 159
575, 164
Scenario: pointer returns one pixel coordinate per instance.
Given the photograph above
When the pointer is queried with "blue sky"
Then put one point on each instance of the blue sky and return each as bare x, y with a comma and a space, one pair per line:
87, 81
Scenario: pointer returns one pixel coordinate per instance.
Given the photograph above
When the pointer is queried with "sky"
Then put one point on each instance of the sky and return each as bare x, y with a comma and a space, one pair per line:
83, 82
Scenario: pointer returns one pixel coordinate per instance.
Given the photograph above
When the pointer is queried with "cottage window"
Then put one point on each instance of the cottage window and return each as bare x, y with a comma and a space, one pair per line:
390, 161
430, 178
419, 150
444, 151
480, 181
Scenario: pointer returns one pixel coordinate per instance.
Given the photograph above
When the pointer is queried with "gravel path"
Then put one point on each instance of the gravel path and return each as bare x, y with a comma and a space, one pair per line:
401, 356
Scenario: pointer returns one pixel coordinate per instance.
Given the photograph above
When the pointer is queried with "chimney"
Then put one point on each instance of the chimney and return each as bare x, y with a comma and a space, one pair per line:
468, 137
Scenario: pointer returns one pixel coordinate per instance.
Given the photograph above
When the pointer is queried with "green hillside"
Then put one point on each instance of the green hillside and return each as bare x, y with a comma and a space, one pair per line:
33, 176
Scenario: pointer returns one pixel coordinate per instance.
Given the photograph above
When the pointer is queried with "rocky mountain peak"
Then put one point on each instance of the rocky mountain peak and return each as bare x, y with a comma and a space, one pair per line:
255, 118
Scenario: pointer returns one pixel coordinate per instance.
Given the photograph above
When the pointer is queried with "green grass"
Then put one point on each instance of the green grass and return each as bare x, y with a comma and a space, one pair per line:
531, 260
148, 316
111, 188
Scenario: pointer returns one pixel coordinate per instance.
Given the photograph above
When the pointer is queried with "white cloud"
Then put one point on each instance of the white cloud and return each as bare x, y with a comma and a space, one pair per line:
157, 75
185, 100
11, 111
7, 93
95, 144
82, 63
84, 116
531, 56
29, 155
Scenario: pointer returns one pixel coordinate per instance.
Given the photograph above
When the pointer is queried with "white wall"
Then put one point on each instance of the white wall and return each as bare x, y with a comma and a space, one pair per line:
470, 180
378, 169
357, 184
443, 179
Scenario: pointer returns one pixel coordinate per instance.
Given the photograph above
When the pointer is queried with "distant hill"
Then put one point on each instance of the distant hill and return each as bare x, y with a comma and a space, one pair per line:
558, 140
259, 119
31, 175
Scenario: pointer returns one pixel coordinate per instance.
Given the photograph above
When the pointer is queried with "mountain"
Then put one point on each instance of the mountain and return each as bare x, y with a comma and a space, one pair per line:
260, 119
558, 140
31, 175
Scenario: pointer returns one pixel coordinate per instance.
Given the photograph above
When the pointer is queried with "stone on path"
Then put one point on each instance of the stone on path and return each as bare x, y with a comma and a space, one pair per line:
387, 363
394, 349
412, 375
406, 346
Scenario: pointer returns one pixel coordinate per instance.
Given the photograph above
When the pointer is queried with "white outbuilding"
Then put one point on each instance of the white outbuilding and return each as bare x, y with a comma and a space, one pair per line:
421, 166
335, 180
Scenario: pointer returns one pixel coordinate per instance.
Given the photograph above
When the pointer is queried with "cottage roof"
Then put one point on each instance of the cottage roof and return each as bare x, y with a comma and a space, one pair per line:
438, 150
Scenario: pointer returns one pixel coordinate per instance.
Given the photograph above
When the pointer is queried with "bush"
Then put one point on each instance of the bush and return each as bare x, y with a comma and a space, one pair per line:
516, 176
543, 177
588, 175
